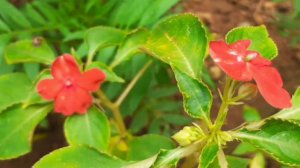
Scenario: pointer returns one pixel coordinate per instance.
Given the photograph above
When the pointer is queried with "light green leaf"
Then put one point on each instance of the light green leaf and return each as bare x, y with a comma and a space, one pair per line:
208, 154
14, 88
181, 42
110, 75
91, 129
16, 129
259, 36
130, 46
99, 37
279, 138
196, 96
292, 113
250, 114
4, 26
27, 51
233, 162
78, 157
258, 161
244, 148
146, 146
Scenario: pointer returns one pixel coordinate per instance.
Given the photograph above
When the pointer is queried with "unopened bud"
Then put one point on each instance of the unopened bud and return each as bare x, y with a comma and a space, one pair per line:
247, 91
188, 135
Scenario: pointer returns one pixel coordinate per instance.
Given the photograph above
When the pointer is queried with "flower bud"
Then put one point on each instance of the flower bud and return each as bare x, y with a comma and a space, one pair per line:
188, 135
247, 91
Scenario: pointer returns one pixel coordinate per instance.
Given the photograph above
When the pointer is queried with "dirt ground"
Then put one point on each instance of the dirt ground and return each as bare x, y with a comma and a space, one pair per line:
220, 16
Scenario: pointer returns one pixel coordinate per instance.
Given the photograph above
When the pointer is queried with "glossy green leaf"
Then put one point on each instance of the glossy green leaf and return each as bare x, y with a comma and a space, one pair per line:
14, 88
130, 46
78, 157
27, 51
91, 129
292, 113
16, 129
99, 37
181, 42
208, 154
259, 36
277, 137
146, 146
110, 75
196, 95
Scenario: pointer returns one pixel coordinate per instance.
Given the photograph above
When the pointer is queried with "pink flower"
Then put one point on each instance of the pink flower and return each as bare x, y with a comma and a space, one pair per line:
244, 65
70, 89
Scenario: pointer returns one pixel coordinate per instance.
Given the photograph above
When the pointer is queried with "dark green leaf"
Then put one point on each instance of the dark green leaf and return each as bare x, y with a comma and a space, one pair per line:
148, 145
279, 138
197, 97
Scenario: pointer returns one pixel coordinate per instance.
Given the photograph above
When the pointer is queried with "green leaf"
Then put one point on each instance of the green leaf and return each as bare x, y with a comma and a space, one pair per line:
91, 129
110, 75
279, 138
259, 36
4, 26
258, 161
16, 129
12, 15
196, 96
237, 162
99, 37
130, 46
78, 157
148, 145
250, 114
244, 148
14, 88
181, 42
208, 154
27, 51
292, 113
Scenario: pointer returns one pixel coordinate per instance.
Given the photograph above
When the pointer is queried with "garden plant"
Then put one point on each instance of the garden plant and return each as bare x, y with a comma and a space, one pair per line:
121, 75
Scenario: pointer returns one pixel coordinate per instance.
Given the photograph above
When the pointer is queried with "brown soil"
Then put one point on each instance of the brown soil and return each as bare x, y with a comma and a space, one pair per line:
220, 16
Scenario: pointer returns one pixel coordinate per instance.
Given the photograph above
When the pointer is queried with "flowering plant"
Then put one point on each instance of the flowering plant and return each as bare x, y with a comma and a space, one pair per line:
95, 126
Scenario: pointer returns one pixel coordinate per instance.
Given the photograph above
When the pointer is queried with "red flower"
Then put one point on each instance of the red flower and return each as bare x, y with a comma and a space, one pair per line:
70, 89
244, 65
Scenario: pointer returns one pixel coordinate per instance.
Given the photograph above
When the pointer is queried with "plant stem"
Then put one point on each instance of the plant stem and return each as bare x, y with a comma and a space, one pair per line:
115, 110
227, 95
132, 83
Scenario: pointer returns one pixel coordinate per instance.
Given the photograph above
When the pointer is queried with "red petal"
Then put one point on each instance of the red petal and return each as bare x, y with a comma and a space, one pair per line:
236, 71
240, 46
269, 83
257, 59
72, 100
220, 52
65, 66
49, 88
91, 79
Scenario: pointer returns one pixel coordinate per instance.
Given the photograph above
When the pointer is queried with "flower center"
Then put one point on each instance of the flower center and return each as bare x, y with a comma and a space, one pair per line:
250, 57
68, 83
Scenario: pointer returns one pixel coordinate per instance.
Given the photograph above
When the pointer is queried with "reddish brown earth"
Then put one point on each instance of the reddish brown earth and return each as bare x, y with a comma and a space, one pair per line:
220, 16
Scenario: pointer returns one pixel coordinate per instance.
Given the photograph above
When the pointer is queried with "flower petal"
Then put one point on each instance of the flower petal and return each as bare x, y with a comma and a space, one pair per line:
65, 66
220, 52
257, 59
72, 100
269, 84
49, 88
91, 79
240, 46
236, 71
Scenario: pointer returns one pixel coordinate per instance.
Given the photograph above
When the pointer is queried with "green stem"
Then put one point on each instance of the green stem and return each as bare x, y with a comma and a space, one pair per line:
227, 95
132, 83
115, 110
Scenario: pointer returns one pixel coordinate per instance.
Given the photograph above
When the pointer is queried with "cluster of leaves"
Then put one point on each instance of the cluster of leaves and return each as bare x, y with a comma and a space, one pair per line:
181, 42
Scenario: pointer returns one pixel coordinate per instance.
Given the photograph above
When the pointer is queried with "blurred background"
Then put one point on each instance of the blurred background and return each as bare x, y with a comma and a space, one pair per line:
62, 24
